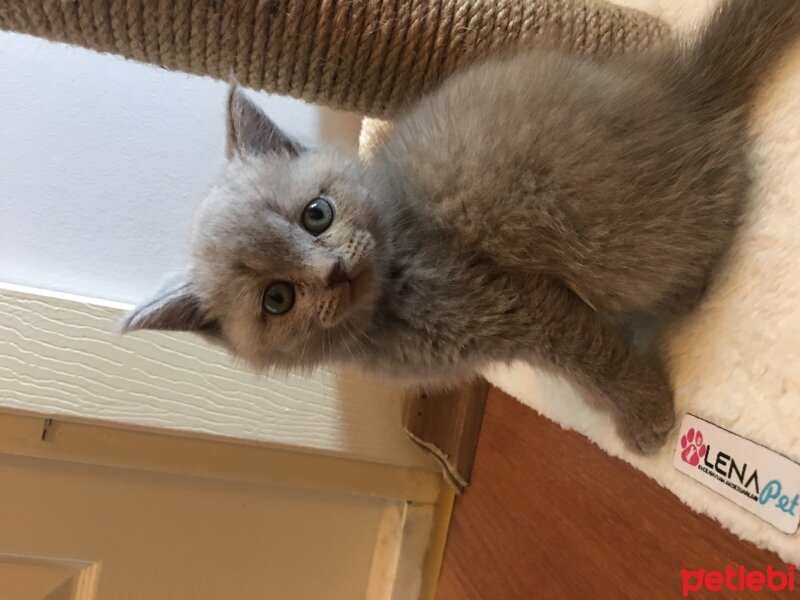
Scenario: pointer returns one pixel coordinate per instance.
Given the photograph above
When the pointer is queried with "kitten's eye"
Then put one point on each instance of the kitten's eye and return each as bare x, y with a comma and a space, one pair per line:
317, 216
278, 298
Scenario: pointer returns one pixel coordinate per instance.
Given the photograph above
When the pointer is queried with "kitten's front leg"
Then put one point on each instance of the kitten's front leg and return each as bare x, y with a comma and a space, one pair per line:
574, 341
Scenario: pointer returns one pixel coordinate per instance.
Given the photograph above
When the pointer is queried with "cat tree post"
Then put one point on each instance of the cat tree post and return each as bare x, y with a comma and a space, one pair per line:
367, 56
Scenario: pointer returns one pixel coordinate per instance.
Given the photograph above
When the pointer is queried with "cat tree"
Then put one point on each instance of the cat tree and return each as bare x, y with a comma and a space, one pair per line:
372, 56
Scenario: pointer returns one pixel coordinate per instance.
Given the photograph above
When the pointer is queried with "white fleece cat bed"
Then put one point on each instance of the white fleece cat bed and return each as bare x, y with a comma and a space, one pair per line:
736, 362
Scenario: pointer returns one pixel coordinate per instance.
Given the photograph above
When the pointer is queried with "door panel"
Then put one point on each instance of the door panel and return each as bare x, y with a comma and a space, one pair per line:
31, 578
160, 536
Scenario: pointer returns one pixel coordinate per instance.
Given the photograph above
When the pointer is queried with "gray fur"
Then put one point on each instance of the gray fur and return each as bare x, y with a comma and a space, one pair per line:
538, 207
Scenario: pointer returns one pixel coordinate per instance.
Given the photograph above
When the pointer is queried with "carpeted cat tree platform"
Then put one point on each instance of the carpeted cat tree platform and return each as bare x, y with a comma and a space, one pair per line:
736, 361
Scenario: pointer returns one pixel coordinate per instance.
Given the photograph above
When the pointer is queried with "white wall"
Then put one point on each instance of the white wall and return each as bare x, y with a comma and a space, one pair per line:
102, 162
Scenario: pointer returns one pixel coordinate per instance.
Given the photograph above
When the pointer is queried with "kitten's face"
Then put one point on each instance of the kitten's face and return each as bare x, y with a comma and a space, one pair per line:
287, 259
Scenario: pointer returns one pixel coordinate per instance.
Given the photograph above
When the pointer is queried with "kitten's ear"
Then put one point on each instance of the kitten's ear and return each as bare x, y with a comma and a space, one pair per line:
176, 307
250, 131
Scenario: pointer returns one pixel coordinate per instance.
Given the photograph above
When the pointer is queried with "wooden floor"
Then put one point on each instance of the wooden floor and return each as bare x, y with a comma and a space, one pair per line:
549, 515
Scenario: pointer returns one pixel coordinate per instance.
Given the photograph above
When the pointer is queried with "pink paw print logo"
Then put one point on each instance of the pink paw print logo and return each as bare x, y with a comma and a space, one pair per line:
693, 447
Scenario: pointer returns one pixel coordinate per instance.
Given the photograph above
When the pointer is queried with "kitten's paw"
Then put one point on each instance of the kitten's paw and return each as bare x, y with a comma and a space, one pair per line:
646, 432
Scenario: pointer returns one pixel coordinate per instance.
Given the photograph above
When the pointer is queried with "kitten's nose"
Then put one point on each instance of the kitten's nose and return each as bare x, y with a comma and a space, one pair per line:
337, 275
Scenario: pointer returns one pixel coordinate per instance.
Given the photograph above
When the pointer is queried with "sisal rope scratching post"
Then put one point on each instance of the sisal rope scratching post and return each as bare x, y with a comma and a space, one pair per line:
368, 56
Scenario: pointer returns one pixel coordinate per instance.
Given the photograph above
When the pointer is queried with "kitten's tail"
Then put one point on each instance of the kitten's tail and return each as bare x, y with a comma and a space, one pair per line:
740, 43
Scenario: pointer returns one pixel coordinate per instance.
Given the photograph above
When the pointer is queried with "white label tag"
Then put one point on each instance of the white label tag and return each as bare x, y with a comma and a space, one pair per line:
754, 477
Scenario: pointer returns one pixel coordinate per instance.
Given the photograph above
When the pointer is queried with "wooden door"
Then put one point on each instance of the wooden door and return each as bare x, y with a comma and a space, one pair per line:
94, 512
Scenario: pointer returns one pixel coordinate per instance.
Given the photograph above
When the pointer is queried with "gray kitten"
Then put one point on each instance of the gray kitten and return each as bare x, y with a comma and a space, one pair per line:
541, 207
